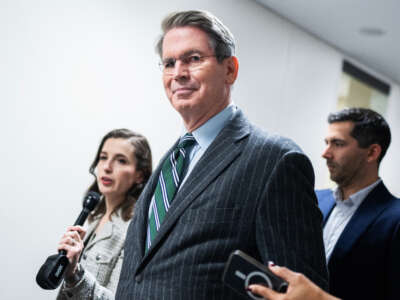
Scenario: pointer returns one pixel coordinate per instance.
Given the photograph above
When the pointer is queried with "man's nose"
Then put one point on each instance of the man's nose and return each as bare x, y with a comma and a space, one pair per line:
181, 70
327, 153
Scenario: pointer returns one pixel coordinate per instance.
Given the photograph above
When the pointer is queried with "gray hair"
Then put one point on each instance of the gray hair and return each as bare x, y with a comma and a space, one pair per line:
221, 39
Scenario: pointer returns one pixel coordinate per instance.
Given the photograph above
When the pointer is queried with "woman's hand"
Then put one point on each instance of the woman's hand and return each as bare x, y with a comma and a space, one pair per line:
300, 287
72, 243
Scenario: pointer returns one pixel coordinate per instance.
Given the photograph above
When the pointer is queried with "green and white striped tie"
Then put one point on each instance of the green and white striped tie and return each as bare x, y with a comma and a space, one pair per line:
167, 186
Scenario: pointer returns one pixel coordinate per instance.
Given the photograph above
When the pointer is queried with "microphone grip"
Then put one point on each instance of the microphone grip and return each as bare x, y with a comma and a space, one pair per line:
82, 217
51, 273
79, 221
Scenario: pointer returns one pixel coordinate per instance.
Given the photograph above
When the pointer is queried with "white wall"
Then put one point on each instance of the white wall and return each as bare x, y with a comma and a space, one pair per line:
72, 70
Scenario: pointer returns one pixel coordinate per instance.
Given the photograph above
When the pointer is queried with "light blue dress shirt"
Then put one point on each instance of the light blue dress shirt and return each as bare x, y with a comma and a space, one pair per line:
341, 215
205, 135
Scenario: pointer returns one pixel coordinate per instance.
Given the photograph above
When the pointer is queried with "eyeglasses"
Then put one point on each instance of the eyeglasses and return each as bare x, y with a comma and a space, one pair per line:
191, 62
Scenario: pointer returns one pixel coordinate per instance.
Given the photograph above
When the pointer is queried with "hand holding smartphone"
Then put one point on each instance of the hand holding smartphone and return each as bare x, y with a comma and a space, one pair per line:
242, 270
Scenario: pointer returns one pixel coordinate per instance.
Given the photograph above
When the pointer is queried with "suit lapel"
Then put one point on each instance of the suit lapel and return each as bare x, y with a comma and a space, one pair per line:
221, 153
105, 233
141, 211
369, 210
90, 231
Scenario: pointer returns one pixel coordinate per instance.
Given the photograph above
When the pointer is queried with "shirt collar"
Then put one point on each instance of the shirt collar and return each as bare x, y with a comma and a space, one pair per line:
356, 198
207, 132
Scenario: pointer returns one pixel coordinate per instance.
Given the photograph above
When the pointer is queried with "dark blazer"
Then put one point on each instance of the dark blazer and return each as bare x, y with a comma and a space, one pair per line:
365, 263
250, 191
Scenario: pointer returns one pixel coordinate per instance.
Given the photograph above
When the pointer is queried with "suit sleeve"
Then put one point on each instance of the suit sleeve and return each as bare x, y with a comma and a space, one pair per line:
288, 222
392, 265
89, 288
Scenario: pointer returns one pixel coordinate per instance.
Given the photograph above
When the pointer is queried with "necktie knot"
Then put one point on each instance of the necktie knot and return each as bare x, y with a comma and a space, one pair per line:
186, 141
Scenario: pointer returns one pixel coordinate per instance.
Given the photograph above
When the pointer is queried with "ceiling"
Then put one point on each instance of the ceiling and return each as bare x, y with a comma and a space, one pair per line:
341, 22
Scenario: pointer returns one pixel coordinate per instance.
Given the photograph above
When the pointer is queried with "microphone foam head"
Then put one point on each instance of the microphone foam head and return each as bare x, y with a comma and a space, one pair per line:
91, 200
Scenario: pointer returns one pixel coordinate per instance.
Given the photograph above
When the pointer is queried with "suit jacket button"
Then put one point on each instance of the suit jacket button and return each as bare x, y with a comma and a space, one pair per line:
84, 256
138, 278
98, 257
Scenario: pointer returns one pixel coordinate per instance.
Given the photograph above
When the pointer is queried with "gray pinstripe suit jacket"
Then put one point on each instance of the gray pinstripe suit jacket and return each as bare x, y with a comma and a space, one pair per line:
250, 191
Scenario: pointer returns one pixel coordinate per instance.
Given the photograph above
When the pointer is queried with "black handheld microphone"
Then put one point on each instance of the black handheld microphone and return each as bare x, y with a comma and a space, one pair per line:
52, 271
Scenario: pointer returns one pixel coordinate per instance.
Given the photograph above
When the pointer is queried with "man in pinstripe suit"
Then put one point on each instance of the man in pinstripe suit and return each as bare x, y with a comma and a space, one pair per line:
241, 188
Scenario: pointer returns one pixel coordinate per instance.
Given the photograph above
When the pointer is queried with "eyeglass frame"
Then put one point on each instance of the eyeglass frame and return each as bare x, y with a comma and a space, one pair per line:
185, 60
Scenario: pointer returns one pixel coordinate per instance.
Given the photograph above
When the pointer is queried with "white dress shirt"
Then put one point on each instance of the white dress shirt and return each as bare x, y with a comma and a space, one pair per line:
341, 215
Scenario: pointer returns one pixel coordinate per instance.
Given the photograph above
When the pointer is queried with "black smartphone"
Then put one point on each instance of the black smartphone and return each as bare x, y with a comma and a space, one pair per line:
241, 270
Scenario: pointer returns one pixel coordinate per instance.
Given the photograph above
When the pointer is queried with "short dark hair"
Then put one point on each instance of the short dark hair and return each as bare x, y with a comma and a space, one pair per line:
143, 160
369, 127
221, 39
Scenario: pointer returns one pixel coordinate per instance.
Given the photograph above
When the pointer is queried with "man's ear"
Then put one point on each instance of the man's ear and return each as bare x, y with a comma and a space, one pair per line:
374, 152
232, 68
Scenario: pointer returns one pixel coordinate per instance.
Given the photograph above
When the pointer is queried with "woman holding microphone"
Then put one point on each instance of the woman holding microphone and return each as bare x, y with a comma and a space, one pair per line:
122, 166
